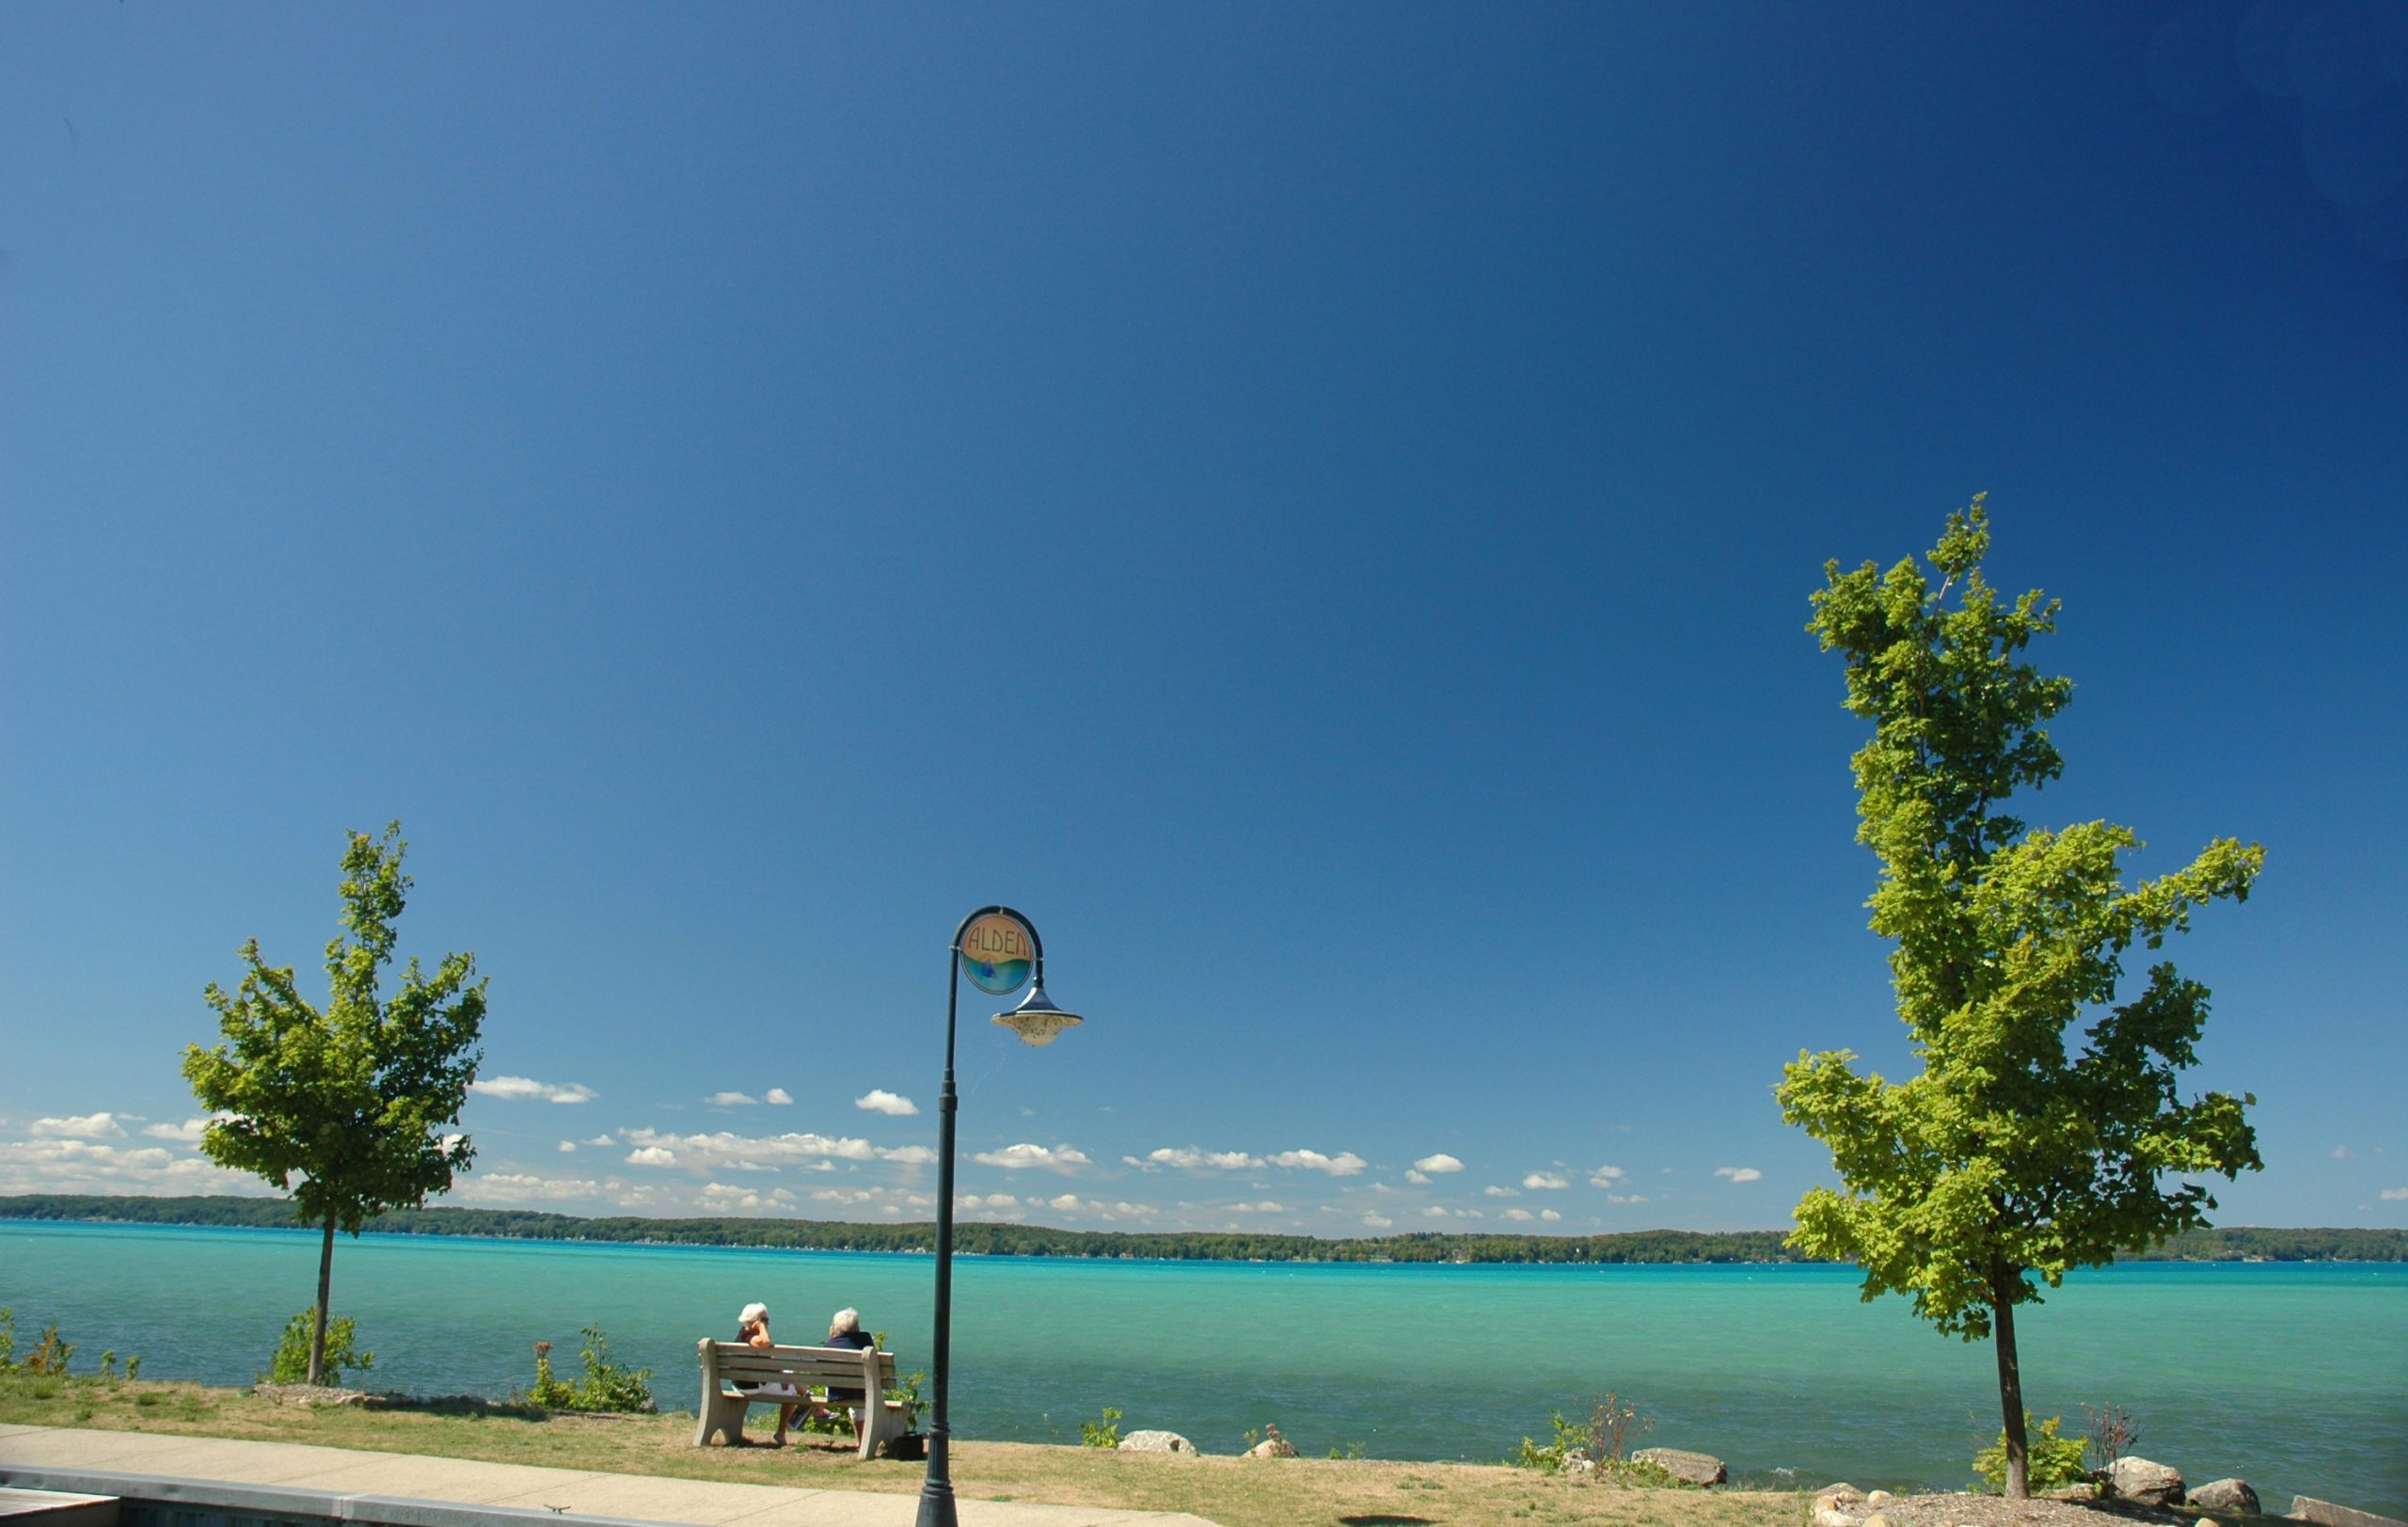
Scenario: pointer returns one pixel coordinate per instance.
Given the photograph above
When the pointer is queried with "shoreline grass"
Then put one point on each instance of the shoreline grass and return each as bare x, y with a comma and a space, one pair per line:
1232, 1491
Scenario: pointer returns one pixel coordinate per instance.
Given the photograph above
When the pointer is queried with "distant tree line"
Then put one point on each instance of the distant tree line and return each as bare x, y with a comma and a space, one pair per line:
1650, 1246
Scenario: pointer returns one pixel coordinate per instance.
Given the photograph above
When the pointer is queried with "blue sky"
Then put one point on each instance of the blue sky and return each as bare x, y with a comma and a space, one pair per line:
1314, 507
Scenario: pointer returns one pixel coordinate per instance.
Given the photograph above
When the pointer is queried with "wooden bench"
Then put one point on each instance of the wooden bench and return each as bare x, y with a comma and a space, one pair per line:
732, 1371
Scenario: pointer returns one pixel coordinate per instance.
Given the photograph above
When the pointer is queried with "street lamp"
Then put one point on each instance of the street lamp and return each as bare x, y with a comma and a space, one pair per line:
998, 949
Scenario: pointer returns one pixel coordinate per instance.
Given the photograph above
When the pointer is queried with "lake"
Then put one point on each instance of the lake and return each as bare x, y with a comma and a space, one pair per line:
2295, 1376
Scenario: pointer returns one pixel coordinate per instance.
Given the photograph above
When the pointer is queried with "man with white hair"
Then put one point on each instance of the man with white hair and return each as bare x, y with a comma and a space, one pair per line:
844, 1331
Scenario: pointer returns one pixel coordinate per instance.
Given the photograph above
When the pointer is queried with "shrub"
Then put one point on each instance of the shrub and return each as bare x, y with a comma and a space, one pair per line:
1103, 1431
291, 1363
606, 1386
1613, 1424
2112, 1432
7, 1341
2055, 1462
49, 1355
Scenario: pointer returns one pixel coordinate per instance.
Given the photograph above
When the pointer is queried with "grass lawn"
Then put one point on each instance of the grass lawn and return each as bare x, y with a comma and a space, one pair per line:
1235, 1492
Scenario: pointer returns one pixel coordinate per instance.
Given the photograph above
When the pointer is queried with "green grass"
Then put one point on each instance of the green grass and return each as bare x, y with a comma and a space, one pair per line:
1232, 1491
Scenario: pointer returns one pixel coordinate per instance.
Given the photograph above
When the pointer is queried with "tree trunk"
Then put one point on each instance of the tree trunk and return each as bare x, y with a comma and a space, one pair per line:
2010, 1383
325, 1276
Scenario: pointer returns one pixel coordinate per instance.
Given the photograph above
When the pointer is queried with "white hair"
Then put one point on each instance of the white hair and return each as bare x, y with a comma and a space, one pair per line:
846, 1320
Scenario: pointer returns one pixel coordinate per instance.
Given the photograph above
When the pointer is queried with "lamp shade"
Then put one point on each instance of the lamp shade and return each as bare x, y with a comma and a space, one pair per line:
1037, 1020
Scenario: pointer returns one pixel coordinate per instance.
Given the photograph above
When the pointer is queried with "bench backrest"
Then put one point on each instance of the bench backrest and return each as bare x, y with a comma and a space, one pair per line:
736, 1362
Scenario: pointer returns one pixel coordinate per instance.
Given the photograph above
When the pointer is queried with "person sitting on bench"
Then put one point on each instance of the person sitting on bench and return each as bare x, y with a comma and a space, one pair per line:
753, 1329
844, 1331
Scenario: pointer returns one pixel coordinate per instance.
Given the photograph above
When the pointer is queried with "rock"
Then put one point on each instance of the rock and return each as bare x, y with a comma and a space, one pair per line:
1876, 1519
2138, 1479
2084, 1491
310, 1394
1831, 1516
1689, 1467
1579, 1463
1157, 1442
1841, 1494
1272, 1446
1879, 1499
2224, 1495
2326, 1514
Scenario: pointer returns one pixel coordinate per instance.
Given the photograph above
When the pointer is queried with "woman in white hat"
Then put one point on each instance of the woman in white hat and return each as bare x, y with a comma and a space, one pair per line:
753, 1329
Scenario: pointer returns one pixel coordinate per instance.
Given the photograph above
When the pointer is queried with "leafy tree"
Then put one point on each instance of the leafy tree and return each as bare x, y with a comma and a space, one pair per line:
2011, 1155
355, 1100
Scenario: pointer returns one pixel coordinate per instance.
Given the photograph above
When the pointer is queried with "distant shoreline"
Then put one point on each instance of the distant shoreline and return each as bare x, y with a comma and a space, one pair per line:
1650, 1248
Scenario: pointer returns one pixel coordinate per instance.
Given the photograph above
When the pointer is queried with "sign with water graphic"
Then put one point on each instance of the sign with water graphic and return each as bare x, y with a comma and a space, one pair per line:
996, 953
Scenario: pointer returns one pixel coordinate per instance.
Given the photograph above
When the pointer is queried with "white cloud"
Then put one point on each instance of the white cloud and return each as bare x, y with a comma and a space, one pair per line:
1265, 1207
778, 1097
600, 1140
1626, 1198
1607, 1176
1520, 1214
2393, 1195
878, 1100
519, 1089
80, 1126
64, 1165
651, 1156
732, 1100
1547, 1180
1494, 1191
519, 1189
723, 1198
1378, 1221
1344, 1164
767, 1152
1024, 1155
1417, 1178
1738, 1174
567, 1147
2340, 1152
1549, 1214
1439, 1165
993, 1201
1193, 1158
188, 1132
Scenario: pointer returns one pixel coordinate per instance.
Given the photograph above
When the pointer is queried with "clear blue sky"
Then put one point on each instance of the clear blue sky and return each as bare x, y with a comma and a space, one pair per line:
1316, 506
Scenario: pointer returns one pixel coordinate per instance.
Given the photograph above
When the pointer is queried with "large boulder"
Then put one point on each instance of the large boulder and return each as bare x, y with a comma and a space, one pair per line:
1156, 1443
2224, 1495
2138, 1479
1271, 1446
1689, 1467
2326, 1514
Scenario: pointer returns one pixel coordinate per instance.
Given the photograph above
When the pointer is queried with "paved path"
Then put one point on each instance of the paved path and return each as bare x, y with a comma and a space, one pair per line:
343, 1473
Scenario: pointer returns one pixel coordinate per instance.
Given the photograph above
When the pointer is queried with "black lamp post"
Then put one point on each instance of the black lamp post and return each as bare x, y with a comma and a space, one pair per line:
1037, 1021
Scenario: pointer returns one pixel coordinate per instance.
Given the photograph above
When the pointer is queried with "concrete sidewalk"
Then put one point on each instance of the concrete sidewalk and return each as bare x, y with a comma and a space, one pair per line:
380, 1487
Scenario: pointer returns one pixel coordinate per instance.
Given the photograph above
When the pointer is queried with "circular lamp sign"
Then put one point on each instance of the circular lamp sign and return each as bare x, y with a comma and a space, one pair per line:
996, 953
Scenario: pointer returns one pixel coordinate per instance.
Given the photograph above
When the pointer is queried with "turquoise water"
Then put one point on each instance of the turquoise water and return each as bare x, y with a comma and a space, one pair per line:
2295, 1376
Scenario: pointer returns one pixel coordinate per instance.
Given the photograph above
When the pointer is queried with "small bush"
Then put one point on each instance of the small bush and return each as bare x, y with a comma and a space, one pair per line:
606, 1387
2112, 1432
290, 1364
1103, 1431
50, 1354
1613, 1424
2055, 1462
7, 1341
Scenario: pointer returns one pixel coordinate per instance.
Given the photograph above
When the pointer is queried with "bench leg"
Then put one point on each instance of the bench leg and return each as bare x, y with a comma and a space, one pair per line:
724, 1414
882, 1420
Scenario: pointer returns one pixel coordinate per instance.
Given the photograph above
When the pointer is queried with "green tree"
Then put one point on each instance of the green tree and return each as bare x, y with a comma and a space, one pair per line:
2010, 1154
355, 1100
